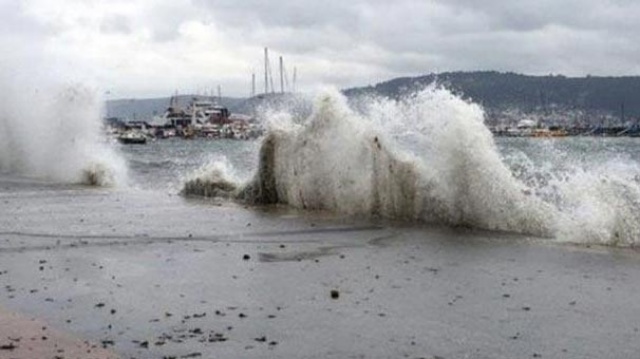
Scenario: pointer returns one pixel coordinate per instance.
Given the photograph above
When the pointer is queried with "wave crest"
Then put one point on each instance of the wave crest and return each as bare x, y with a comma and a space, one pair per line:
426, 158
55, 134
213, 179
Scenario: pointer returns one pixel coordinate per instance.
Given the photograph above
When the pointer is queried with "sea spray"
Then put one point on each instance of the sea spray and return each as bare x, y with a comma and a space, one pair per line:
594, 189
213, 179
332, 163
459, 163
599, 205
429, 158
54, 133
351, 163
49, 117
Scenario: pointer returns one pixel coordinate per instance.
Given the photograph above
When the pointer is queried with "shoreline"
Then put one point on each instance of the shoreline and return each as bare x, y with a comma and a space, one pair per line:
163, 276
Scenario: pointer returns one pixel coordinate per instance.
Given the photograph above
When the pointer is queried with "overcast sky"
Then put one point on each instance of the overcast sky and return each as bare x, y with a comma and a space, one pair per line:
154, 47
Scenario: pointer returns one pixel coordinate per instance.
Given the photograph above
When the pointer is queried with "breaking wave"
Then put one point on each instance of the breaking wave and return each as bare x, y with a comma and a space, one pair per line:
213, 179
54, 133
427, 158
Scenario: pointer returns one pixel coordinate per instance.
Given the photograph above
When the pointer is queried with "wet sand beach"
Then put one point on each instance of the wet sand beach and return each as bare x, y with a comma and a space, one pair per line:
149, 275
30, 338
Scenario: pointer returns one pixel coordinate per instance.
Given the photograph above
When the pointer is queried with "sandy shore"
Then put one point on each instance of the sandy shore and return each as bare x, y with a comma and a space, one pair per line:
153, 276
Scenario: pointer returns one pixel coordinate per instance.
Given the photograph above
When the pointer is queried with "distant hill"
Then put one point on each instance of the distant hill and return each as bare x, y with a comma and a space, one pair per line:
588, 99
506, 98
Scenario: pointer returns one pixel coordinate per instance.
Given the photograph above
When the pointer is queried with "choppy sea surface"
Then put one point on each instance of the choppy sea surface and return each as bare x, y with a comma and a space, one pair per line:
164, 164
427, 158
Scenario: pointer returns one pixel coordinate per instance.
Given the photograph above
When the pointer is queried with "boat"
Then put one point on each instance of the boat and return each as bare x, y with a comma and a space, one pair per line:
175, 116
551, 131
205, 111
132, 138
203, 117
524, 128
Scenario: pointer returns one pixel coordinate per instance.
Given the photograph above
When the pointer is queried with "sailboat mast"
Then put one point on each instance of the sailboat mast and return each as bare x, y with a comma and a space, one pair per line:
281, 76
295, 76
266, 69
253, 84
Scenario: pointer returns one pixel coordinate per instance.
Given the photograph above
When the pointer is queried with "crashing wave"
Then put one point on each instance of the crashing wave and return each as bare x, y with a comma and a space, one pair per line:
337, 161
56, 135
427, 158
211, 180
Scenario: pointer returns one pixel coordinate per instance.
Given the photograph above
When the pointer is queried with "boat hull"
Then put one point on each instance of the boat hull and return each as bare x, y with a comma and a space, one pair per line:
132, 141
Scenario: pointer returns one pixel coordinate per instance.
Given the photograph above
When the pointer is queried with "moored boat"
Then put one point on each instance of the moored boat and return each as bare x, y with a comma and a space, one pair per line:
132, 138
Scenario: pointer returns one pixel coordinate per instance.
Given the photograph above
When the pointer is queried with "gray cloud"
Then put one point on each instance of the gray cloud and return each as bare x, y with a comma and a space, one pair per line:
575, 37
166, 17
15, 23
290, 14
116, 24
422, 28
347, 42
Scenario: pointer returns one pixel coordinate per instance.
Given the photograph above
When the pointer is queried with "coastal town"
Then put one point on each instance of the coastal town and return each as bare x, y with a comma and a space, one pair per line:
202, 117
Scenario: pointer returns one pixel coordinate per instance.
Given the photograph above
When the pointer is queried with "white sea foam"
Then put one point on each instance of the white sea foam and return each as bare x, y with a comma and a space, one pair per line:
598, 205
216, 178
429, 158
50, 122
54, 132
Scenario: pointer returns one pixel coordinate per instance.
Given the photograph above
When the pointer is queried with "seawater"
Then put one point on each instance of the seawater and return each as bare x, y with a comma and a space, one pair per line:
165, 165
429, 158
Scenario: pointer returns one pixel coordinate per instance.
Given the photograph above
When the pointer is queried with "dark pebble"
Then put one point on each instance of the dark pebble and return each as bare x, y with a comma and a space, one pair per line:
9, 346
192, 355
335, 294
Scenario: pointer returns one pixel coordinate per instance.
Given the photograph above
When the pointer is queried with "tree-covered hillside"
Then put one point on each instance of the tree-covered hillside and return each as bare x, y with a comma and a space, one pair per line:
587, 98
